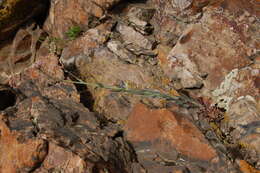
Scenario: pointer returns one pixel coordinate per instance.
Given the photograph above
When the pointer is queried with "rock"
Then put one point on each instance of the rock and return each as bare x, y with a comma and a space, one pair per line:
107, 69
139, 17
182, 4
239, 84
14, 13
117, 48
166, 15
239, 95
76, 50
59, 159
163, 86
236, 6
130, 36
62, 15
167, 137
195, 58
246, 168
50, 110
16, 154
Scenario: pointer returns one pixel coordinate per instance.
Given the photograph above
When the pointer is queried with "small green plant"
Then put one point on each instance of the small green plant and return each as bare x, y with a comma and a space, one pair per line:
73, 32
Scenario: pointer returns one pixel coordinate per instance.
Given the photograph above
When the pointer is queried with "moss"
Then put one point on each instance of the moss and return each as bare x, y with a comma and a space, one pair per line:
73, 32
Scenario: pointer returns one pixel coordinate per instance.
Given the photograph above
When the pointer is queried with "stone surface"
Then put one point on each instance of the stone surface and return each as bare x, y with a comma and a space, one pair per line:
140, 18
179, 135
195, 58
85, 46
107, 65
162, 86
50, 109
62, 15
130, 36
60, 160
117, 48
239, 95
246, 168
17, 154
167, 136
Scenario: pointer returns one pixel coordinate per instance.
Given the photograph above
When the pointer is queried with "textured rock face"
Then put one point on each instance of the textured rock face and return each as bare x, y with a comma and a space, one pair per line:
177, 131
62, 14
49, 110
200, 54
59, 159
18, 154
139, 87
167, 136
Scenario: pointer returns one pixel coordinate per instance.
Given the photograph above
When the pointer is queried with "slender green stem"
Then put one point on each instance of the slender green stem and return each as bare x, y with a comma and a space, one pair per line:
181, 100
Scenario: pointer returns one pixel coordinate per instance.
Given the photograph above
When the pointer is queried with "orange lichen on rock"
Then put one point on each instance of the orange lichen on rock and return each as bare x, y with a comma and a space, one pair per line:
246, 168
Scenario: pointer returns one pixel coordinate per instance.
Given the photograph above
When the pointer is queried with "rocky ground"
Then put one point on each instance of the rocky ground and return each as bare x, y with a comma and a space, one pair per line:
116, 86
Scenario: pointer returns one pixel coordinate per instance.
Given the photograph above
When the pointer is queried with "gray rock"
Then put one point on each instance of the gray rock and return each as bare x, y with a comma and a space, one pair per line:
139, 18
117, 48
182, 4
130, 36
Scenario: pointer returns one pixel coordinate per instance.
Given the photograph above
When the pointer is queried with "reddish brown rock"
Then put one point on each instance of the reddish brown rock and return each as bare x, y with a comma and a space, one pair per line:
62, 14
59, 159
160, 136
246, 168
84, 47
17, 155
195, 57
49, 108
166, 126
236, 6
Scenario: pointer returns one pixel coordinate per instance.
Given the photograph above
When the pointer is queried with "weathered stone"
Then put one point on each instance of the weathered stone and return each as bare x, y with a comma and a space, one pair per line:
59, 159
177, 134
195, 58
17, 155
139, 17
182, 4
238, 84
113, 72
117, 48
239, 95
167, 136
62, 14
130, 36
171, 18
51, 110
215, 45
84, 46
246, 168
